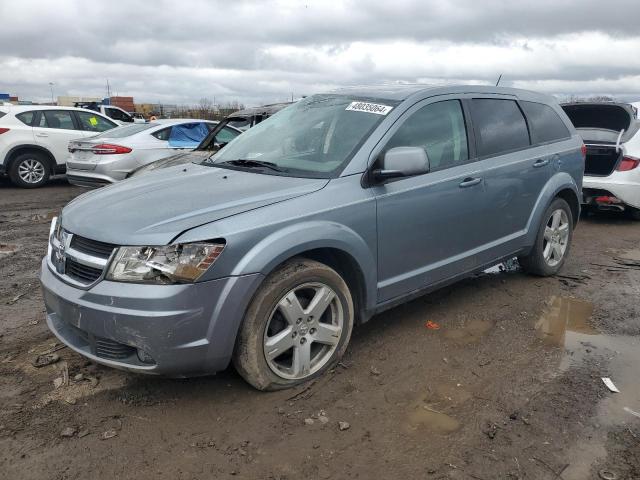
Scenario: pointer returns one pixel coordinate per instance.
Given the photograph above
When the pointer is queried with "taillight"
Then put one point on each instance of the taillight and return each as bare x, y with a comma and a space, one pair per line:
583, 149
628, 163
4, 130
109, 149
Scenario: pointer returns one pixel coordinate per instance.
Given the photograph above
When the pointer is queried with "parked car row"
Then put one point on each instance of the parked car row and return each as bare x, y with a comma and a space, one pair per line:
38, 142
268, 252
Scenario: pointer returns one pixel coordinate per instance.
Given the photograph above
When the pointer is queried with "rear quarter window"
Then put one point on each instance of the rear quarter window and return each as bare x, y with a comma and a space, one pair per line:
2, 114
26, 117
499, 125
544, 123
163, 134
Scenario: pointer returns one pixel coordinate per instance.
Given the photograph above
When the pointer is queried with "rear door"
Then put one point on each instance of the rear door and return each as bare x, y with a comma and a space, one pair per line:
428, 225
93, 123
515, 172
53, 129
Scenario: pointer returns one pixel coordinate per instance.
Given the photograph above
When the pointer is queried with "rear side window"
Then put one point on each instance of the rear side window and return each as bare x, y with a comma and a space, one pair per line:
439, 128
163, 134
499, 126
26, 117
57, 119
94, 123
544, 123
117, 114
2, 114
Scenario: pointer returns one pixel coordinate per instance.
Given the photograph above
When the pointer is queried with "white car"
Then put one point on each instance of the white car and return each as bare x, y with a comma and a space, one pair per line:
111, 156
34, 139
611, 133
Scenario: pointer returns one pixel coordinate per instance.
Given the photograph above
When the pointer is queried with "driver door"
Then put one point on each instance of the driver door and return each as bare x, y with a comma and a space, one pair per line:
428, 225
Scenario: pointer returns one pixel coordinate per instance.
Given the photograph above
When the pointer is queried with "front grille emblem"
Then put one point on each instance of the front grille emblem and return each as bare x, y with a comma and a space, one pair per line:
61, 258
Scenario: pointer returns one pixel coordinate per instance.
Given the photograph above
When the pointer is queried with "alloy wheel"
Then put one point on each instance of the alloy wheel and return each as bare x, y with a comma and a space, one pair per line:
556, 237
303, 331
31, 171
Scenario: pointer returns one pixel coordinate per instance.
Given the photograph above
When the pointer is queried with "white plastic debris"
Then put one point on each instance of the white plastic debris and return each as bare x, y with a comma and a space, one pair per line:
607, 381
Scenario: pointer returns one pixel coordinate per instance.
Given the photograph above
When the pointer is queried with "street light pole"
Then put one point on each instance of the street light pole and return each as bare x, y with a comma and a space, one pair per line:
51, 84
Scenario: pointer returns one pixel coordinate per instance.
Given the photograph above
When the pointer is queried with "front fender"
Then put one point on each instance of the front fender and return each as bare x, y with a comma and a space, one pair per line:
558, 182
295, 239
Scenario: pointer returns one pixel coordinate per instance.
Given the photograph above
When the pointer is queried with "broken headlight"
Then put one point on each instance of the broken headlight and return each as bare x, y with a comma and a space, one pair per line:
181, 263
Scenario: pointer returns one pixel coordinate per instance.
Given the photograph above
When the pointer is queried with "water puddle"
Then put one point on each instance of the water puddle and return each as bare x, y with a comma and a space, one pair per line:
565, 323
470, 332
424, 417
565, 315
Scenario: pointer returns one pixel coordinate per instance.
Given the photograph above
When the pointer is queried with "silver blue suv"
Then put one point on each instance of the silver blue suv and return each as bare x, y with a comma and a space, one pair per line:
334, 209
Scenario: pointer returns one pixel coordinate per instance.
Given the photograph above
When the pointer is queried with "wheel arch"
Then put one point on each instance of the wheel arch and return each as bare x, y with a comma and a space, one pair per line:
561, 185
570, 196
25, 148
332, 244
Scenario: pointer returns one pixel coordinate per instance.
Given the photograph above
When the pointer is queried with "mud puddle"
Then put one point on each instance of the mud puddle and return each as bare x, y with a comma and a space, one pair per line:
565, 323
424, 417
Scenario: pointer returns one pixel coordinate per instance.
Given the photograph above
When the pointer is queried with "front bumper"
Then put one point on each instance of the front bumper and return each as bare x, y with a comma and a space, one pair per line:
186, 330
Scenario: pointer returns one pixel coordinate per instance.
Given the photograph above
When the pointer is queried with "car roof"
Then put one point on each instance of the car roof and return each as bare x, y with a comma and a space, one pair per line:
269, 109
399, 92
27, 108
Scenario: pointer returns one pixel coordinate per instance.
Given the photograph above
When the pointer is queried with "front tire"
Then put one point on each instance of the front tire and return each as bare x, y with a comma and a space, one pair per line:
297, 326
29, 170
552, 242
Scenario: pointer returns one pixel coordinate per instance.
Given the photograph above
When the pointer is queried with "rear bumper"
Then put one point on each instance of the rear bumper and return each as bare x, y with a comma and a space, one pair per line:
622, 185
87, 181
184, 330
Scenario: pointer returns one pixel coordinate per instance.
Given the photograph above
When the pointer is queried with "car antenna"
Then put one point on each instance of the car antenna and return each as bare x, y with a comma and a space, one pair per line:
499, 78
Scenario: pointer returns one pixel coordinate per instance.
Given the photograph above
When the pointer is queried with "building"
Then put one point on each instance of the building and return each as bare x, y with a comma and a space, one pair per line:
70, 101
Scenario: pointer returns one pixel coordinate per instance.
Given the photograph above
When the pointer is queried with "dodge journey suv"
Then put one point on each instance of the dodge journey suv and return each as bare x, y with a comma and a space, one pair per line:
334, 209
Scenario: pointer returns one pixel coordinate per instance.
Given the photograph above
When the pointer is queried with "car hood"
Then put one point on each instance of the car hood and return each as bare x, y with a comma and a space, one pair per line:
154, 209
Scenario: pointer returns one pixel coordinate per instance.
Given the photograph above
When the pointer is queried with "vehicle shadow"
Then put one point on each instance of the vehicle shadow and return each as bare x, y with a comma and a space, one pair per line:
607, 218
366, 342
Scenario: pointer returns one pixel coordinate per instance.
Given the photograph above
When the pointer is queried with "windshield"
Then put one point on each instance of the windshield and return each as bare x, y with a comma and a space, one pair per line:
315, 137
121, 132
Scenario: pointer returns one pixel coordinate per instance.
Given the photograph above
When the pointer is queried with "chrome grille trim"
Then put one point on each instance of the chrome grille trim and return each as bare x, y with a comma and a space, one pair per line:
63, 246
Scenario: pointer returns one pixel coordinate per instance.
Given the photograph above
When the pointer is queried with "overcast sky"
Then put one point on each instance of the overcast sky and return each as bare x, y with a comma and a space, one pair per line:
257, 52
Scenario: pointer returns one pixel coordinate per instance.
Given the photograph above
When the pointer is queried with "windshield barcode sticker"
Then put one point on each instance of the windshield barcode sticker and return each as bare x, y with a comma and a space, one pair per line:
369, 108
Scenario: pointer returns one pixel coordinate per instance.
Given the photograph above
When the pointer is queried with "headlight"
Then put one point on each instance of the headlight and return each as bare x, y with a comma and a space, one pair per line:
181, 263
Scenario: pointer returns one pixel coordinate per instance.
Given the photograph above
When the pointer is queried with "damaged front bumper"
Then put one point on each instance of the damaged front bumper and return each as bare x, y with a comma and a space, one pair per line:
174, 330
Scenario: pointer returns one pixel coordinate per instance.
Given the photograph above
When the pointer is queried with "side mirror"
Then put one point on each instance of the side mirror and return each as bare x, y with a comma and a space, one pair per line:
402, 162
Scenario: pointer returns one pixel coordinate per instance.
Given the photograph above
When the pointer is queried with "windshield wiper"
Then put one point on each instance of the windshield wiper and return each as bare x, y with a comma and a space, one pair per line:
252, 164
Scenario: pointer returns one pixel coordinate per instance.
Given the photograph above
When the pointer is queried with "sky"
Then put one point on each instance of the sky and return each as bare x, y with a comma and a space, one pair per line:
266, 51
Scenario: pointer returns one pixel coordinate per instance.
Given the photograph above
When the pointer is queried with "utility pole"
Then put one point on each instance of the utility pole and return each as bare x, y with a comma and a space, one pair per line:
108, 89
51, 84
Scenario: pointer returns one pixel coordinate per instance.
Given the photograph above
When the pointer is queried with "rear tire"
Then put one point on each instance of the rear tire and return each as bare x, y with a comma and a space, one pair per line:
29, 170
297, 326
553, 241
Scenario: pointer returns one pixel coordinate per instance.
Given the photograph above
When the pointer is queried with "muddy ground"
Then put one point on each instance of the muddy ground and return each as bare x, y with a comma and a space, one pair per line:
508, 387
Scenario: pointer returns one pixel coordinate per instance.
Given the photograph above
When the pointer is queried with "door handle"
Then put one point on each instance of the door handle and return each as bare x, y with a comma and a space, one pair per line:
42, 135
470, 182
541, 162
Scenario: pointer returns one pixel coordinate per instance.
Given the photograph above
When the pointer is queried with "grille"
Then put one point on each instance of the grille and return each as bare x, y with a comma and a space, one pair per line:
82, 273
92, 247
114, 350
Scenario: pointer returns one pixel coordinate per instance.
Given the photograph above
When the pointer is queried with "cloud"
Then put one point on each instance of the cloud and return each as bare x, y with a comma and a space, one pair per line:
257, 52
